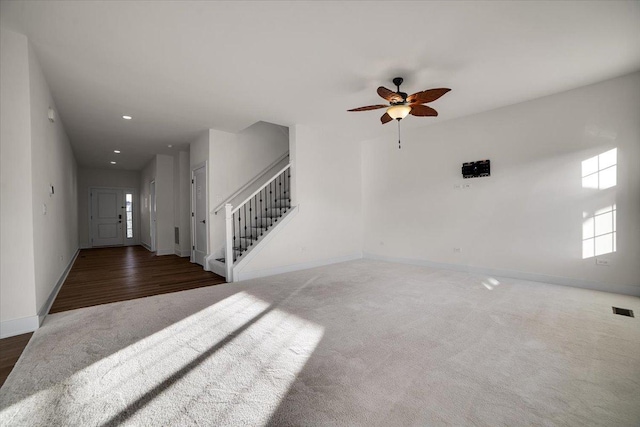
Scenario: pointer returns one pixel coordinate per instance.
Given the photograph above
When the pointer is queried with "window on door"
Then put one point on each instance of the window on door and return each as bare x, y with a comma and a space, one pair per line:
128, 198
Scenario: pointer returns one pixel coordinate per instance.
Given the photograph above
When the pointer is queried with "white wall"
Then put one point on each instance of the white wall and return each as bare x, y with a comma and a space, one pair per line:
199, 149
328, 226
528, 216
182, 199
112, 178
176, 198
164, 205
55, 232
17, 273
237, 158
39, 234
147, 175
225, 154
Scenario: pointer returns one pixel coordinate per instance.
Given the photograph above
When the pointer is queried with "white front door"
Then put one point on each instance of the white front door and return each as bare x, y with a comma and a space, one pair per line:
199, 197
107, 208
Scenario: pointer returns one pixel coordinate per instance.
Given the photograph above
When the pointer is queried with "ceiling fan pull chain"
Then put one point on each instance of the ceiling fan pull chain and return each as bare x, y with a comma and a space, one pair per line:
399, 147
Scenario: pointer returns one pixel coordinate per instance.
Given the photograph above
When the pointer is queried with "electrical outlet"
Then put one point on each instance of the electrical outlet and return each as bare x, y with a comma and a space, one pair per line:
602, 261
457, 250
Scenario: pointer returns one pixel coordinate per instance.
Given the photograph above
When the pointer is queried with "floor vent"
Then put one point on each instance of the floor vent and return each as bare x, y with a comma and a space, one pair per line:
623, 311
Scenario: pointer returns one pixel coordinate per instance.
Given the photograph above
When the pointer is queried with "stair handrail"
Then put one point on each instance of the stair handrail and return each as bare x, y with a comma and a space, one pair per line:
251, 182
273, 177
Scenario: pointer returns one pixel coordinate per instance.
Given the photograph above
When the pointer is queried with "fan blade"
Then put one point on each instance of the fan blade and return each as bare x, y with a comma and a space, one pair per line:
389, 95
426, 96
369, 107
422, 110
386, 118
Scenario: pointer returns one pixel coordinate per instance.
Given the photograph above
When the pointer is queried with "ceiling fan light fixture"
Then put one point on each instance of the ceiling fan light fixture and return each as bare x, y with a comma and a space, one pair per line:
399, 112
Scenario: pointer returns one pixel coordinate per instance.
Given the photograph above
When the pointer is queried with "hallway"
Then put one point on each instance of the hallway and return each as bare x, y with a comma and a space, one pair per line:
106, 275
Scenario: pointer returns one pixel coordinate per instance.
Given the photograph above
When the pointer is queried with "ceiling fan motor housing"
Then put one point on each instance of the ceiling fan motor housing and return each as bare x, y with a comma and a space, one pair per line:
398, 81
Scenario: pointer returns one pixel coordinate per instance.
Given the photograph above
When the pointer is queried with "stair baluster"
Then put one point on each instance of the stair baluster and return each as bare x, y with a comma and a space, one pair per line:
247, 222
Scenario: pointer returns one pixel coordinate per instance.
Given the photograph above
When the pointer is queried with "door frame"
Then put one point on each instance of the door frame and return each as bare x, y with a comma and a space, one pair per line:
153, 213
136, 227
193, 210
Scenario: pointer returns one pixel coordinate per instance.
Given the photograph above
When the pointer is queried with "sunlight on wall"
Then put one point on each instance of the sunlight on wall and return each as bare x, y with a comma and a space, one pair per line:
233, 361
600, 171
599, 229
599, 233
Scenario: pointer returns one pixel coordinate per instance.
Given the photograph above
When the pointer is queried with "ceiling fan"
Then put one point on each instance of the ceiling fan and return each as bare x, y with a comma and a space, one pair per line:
401, 104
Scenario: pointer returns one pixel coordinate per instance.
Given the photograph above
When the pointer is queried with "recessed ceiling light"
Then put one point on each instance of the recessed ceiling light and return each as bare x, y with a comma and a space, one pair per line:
113, 163
169, 145
116, 151
127, 117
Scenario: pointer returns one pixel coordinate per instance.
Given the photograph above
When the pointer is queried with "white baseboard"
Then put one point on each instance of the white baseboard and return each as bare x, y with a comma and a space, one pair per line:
533, 277
44, 310
146, 246
183, 254
13, 327
160, 252
217, 267
294, 267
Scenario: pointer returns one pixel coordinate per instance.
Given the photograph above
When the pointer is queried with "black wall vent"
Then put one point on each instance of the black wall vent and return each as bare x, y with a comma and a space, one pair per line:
623, 311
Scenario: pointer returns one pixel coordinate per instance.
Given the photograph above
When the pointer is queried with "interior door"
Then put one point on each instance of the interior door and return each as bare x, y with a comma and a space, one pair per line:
152, 214
107, 208
199, 196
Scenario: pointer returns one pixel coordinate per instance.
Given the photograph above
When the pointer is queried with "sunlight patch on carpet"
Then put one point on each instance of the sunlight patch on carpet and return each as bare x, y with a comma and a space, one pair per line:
234, 360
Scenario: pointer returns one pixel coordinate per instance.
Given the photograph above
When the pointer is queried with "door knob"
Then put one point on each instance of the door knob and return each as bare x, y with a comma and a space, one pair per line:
203, 221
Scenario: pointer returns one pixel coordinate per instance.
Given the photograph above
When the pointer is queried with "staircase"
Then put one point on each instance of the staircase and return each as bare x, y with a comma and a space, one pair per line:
250, 221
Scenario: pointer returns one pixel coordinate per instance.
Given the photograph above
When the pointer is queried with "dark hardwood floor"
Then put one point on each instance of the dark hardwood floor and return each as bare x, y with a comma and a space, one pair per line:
10, 351
105, 275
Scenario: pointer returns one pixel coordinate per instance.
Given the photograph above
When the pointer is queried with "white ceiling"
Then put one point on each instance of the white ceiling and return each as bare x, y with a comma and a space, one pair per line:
181, 67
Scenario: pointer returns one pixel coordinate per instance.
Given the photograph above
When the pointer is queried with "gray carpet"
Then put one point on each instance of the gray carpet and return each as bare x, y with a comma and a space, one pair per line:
358, 343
